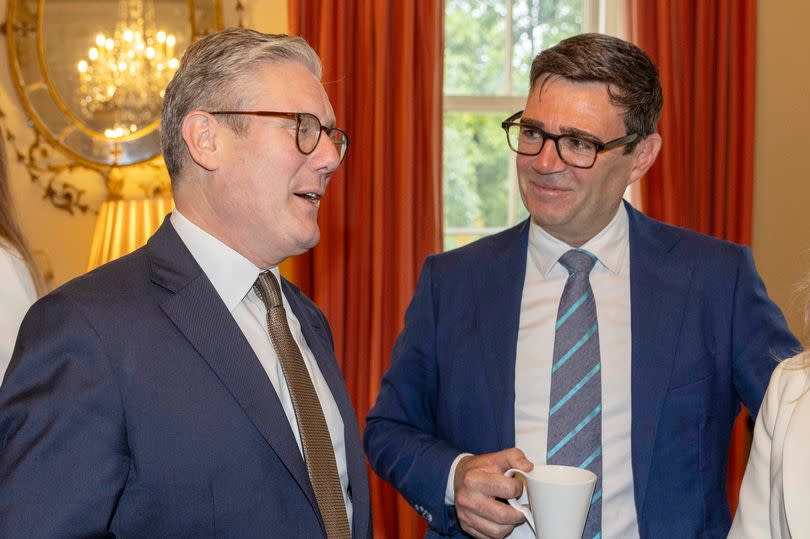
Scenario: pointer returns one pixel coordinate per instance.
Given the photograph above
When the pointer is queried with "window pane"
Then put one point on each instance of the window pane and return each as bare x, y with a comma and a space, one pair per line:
537, 25
475, 171
489, 46
475, 55
459, 239
479, 185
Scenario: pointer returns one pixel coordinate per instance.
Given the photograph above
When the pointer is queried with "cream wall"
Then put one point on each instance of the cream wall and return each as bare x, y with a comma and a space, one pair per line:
781, 234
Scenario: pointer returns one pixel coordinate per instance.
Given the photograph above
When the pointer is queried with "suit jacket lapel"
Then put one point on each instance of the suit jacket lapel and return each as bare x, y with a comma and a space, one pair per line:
659, 286
199, 313
498, 297
318, 339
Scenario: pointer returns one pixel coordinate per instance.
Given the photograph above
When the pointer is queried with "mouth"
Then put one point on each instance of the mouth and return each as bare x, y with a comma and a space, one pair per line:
549, 188
312, 197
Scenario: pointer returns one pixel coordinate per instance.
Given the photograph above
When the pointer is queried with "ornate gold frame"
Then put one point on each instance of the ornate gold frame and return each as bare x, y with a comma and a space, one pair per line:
138, 147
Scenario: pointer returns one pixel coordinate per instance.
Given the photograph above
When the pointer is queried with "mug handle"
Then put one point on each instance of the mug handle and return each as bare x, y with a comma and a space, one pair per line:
514, 503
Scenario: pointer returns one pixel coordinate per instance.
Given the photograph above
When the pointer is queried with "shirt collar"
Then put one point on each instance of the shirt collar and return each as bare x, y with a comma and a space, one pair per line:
231, 273
608, 245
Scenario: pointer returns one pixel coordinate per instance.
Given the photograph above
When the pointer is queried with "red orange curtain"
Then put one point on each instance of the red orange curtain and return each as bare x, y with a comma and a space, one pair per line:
703, 180
382, 212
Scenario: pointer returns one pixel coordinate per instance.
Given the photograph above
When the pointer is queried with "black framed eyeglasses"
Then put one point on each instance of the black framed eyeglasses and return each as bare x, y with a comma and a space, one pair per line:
577, 151
308, 129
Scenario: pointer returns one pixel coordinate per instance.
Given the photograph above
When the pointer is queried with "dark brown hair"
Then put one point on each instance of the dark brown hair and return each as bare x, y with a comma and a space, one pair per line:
10, 234
631, 77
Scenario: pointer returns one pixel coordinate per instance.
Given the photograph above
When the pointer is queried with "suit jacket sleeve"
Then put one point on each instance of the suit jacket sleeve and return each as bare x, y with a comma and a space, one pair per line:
63, 447
759, 336
400, 435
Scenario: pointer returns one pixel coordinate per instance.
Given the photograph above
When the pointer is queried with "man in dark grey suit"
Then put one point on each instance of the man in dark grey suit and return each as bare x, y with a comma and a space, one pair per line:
180, 391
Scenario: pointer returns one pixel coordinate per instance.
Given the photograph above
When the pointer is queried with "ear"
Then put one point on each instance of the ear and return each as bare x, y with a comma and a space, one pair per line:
646, 153
199, 132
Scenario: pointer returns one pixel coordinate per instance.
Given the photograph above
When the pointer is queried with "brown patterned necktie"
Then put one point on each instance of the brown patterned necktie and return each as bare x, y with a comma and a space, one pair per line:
319, 454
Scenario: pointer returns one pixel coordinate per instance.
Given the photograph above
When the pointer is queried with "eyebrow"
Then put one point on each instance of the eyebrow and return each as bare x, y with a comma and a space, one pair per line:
570, 131
579, 133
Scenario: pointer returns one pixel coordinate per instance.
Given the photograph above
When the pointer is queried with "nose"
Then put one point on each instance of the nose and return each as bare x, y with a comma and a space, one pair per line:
548, 160
325, 157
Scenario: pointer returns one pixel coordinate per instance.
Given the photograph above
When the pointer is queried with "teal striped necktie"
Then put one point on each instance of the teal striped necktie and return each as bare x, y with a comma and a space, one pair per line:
575, 407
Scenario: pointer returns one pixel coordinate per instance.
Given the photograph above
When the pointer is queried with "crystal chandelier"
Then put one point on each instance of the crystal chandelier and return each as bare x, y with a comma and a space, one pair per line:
124, 76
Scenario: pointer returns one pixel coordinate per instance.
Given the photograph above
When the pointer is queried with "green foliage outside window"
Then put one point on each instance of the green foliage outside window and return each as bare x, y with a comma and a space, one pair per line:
473, 157
475, 47
538, 25
477, 161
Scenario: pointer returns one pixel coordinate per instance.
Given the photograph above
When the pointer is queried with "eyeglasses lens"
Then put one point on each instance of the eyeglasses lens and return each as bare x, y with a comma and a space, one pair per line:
309, 133
529, 140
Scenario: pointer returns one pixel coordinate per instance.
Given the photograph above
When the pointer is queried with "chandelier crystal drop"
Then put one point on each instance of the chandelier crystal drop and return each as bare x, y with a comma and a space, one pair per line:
125, 74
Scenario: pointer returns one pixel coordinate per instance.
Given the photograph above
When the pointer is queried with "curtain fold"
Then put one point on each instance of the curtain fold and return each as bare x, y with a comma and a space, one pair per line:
381, 216
703, 180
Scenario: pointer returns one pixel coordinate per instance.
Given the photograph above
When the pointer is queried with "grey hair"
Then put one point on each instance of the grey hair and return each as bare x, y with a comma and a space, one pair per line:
209, 76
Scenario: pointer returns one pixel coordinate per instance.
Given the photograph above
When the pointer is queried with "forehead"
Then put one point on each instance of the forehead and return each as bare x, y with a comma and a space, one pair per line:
561, 103
286, 87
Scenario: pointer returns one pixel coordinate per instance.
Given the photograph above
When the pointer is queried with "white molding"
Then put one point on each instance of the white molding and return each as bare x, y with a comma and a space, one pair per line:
483, 103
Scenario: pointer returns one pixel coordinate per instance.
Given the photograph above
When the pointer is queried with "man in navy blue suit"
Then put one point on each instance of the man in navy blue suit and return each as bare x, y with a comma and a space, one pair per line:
673, 330
180, 391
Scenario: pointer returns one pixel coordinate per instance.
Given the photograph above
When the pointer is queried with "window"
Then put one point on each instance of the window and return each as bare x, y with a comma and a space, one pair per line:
489, 47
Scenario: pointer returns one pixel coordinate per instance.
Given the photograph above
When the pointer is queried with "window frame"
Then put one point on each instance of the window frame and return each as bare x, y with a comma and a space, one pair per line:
604, 16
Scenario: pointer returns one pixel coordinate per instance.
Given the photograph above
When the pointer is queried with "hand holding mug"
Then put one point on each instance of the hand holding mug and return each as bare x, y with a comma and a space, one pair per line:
479, 480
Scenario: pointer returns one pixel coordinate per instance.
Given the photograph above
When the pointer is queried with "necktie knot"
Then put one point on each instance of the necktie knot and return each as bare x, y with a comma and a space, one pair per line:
578, 260
267, 289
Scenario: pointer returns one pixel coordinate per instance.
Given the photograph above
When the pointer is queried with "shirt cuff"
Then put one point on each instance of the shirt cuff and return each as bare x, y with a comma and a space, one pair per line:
450, 491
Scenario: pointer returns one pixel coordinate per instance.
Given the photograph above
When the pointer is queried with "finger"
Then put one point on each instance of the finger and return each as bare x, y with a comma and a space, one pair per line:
480, 527
471, 502
491, 485
502, 514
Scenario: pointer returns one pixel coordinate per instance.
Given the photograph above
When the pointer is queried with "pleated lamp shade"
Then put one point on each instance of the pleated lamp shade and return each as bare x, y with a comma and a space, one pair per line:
124, 225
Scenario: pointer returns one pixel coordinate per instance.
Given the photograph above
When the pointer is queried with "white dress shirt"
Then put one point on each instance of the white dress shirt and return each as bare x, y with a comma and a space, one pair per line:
233, 276
542, 289
17, 293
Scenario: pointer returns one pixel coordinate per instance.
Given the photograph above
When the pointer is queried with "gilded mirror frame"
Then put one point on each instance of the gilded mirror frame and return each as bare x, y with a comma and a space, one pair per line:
52, 118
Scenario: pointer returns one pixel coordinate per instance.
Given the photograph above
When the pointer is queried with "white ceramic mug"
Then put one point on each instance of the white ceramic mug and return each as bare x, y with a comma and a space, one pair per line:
559, 500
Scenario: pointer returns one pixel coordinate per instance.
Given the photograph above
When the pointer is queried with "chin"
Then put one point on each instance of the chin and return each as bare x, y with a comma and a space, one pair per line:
309, 242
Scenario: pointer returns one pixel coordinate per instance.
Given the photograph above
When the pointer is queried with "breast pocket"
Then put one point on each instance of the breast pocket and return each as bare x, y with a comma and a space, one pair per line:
686, 409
